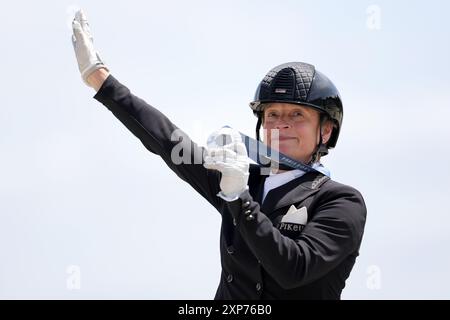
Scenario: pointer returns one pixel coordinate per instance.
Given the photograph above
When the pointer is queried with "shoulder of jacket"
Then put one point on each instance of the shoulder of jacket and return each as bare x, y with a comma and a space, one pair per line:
336, 189
348, 201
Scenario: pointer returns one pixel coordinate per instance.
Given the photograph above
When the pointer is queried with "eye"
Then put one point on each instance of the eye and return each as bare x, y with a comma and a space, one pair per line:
297, 114
271, 114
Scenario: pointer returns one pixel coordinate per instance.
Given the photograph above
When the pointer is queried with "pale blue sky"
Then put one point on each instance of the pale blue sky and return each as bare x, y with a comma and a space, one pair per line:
76, 188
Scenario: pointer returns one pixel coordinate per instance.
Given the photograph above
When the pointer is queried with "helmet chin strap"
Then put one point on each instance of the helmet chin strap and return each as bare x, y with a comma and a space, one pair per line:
258, 126
321, 149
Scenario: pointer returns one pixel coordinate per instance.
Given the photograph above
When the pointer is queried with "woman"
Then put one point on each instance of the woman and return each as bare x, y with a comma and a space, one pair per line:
287, 235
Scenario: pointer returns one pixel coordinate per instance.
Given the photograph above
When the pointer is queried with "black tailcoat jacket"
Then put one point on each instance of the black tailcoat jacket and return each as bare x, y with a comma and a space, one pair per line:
263, 254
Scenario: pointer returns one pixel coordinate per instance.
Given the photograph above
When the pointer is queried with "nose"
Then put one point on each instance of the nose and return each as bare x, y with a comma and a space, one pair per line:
282, 124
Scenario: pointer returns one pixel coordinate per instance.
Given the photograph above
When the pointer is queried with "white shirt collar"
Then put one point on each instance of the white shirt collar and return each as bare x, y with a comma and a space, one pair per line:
274, 180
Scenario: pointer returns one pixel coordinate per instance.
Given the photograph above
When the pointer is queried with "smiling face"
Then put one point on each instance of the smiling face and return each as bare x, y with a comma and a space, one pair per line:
297, 127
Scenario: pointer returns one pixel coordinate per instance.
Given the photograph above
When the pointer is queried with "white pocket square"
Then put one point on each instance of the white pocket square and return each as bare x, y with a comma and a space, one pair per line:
297, 216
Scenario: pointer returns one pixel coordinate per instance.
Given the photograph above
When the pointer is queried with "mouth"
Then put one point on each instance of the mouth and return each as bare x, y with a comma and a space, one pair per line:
286, 138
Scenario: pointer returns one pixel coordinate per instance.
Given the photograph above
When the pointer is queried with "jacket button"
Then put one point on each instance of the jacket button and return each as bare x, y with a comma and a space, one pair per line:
230, 278
246, 204
250, 217
234, 222
258, 286
230, 250
247, 212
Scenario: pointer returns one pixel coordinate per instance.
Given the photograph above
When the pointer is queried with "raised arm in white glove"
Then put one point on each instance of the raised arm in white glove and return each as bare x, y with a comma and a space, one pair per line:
88, 59
226, 153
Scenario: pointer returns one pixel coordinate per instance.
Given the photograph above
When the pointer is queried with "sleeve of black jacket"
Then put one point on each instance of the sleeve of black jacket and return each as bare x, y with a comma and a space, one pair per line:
334, 232
156, 131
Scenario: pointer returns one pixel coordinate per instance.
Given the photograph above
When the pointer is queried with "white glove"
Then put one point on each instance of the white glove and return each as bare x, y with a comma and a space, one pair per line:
88, 59
227, 153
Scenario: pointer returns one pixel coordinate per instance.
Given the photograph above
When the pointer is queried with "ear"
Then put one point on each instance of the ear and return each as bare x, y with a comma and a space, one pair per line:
327, 129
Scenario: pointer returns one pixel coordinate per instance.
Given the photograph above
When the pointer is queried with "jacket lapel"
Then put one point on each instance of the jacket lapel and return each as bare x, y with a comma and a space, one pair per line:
294, 191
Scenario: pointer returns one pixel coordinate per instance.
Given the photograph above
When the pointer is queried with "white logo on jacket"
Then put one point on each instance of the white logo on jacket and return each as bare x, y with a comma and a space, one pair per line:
294, 220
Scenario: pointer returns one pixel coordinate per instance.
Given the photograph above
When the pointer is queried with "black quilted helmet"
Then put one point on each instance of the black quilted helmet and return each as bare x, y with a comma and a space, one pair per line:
300, 83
